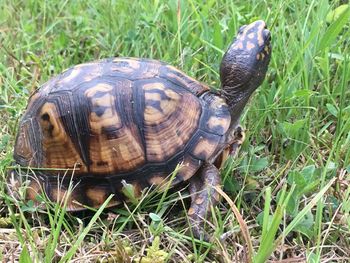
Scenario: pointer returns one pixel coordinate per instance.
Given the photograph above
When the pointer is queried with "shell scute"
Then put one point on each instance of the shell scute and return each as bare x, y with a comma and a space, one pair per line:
203, 145
167, 123
181, 79
188, 167
135, 69
218, 117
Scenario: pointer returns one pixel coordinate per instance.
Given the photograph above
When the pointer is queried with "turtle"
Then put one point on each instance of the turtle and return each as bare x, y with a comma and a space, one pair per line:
116, 121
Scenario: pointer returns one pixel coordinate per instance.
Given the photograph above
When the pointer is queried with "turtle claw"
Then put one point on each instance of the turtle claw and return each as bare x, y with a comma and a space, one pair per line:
199, 233
226, 235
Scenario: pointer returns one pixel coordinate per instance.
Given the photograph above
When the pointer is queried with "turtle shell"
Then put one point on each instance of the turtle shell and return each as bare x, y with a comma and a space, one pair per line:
100, 123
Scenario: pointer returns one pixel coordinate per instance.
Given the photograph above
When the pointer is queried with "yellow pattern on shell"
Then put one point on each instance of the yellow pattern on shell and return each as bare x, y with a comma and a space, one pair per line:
59, 150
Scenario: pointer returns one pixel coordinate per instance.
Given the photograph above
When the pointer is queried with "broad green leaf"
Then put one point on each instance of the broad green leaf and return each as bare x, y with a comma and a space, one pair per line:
333, 15
303, 212
333, 110
29, 206
259, 164
260, 219
295, 177
292, 129
155, 217
334, 29
308, 173
293, 204
231, 185
305, 225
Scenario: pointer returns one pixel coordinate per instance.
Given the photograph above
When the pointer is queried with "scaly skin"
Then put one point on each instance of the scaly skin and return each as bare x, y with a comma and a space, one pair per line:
242, 71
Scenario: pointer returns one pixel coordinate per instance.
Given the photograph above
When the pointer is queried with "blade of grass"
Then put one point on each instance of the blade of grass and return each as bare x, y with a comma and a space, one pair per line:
266, 248
56, 222
241, 222
86, 230
303, 212
266, 211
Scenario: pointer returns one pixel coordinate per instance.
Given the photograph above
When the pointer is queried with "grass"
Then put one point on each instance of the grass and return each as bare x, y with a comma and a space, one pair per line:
290, 183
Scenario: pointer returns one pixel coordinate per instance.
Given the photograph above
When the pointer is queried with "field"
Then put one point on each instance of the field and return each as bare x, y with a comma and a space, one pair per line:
288, 195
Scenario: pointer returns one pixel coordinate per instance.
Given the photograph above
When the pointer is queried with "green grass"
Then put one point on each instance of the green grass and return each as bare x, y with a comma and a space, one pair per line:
290, 182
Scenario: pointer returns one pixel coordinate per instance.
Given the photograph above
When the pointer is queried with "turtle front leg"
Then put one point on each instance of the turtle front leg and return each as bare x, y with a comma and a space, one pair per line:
238, 139
203, 196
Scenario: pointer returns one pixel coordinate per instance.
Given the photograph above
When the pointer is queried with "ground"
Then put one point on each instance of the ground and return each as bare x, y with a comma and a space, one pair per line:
287, 196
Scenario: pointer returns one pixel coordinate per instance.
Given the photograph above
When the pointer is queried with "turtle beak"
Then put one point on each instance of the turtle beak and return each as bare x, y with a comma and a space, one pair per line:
267, 36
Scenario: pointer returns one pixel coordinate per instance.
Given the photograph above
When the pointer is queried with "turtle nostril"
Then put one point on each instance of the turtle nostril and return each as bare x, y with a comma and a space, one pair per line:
240, 30
267, 35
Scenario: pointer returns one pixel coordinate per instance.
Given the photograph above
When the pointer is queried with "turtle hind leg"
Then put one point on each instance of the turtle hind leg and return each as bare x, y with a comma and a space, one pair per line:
203, 196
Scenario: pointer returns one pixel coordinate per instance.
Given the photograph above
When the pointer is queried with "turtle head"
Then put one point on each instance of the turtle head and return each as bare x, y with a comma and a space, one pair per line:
244, 65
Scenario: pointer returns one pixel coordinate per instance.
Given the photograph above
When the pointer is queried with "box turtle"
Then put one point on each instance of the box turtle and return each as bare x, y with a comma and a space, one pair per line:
102, 124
